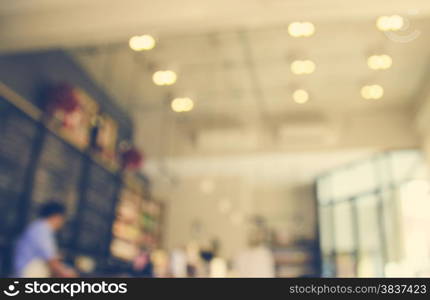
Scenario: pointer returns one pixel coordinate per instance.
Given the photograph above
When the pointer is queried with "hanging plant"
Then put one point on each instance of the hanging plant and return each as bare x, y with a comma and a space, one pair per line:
62, 97
131, 159
63, 104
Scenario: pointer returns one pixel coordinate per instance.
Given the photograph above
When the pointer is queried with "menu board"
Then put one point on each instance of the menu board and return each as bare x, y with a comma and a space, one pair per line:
17, 134
97, 211
57, 178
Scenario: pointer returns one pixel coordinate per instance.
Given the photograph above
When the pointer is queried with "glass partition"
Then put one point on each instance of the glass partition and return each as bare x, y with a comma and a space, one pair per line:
366, 207
370, 251
345, 241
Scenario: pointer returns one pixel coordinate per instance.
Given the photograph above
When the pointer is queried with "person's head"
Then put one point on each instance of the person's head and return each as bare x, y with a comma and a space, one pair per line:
54, 213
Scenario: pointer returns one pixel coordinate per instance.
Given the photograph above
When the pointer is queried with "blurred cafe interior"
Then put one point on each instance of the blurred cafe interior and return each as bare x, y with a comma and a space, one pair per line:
258, 138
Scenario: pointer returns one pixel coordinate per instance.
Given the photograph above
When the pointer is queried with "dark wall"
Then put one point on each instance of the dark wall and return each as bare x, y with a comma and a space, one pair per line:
29, 73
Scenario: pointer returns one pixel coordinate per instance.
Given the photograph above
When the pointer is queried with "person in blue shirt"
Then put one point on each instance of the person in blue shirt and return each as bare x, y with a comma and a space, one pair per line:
36, 252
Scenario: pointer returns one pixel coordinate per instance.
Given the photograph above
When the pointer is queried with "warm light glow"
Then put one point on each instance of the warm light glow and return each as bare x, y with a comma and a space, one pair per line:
372, 91
390, 23
182, 104
164, 77
379, 62
301, 67
300, 96
142, 42
301, 29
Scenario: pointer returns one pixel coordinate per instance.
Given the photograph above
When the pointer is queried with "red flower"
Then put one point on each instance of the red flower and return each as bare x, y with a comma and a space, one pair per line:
63, 97
132, 159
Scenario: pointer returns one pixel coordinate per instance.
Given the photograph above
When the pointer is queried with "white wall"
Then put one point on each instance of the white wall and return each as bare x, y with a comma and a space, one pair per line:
277, 186
288, 208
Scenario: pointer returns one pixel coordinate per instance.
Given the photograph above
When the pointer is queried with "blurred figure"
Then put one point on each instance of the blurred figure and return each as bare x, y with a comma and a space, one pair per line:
256, 261
206, 256
85, 265
178, 263
218, 268
36, 253
193, 260
142, 265
217, 265
161, 262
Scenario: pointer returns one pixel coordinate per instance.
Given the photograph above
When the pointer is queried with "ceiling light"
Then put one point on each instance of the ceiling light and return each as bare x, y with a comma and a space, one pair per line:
300, 67
301, 29
300, 96
164, 77
372, 91
142, 42
390, 23
379, 62
182, 104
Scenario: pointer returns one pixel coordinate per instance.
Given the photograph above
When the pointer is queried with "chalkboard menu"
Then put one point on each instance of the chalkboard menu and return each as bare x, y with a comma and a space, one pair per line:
57, 178
96, 211
17, 134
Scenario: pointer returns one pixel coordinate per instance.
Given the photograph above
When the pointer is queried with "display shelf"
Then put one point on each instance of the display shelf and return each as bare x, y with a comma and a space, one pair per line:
38, 162
133, 227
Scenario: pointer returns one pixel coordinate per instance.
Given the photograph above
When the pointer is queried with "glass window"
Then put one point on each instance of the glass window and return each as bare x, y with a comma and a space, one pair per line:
383, 171
328, 266
326, 229
404, 163
370, 262
342, 183
345, 239
344, 227
354, 180
391, 223
377, 233
363, 178
415, 205
324, 189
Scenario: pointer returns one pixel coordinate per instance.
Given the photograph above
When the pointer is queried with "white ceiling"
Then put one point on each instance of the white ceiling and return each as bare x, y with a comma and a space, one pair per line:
249, 71
232, 57
246, 135
52, 22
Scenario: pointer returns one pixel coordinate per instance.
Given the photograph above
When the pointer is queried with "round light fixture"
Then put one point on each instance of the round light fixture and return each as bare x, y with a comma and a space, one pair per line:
300, 67
379, 62
301, 29
164, 77
370, 92
182, 104
300, 96
390, 23
141, 42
